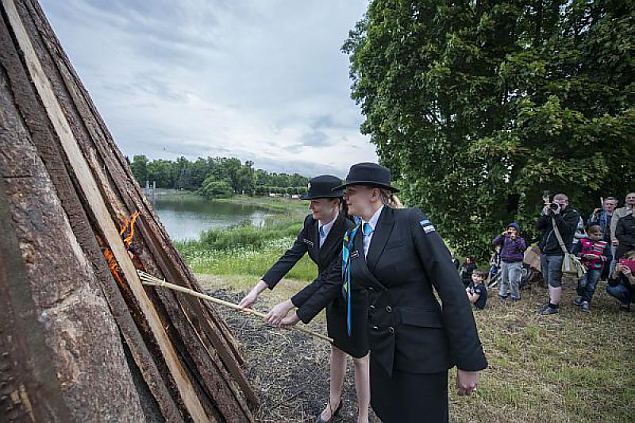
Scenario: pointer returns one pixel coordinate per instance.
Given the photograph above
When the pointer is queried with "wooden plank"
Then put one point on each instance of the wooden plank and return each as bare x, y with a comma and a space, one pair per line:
104, 219
25, 358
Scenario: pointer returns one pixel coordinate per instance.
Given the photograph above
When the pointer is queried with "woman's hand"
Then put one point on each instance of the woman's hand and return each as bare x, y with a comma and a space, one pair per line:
289, 321
278, 312
466, 382
250, 299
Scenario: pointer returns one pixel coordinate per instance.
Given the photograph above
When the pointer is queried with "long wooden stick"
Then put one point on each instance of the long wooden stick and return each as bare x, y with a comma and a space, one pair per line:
150, 280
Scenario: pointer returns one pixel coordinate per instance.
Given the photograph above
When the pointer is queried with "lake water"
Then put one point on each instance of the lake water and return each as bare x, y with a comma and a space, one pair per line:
186, 216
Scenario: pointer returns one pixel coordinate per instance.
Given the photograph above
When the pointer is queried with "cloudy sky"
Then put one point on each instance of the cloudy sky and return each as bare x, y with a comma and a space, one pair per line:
254, 79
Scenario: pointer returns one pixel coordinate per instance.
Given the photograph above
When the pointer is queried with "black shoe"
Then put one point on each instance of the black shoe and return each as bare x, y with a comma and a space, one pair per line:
585, 306
625, 307
577, 301
547, 310
333, 413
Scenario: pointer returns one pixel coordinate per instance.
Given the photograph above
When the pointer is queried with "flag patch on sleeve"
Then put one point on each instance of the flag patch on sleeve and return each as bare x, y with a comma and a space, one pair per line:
427, 226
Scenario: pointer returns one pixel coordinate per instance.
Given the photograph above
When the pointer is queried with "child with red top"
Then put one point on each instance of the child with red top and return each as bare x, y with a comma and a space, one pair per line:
594, 254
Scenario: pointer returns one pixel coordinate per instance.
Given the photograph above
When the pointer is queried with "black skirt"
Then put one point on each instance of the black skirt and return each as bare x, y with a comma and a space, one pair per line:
355, 345
408, 397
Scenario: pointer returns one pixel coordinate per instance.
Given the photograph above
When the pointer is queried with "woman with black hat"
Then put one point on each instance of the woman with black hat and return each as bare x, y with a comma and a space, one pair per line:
397, 256
321, 237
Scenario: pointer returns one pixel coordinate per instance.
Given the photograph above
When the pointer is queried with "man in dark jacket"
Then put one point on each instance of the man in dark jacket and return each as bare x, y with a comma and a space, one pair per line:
566, 220
625, 235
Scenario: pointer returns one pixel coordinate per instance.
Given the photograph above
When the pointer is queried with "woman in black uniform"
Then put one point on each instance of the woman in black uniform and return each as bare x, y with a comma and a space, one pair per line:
321, 237
397, 256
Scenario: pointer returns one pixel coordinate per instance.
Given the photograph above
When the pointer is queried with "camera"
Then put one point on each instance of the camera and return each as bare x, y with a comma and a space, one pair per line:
554, 206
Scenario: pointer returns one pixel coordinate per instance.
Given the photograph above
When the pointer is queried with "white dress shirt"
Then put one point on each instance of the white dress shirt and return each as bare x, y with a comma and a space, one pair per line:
373, 223
323, 230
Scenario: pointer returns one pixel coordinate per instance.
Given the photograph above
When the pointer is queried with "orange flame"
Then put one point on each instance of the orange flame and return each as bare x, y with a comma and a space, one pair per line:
113, 266
127, 225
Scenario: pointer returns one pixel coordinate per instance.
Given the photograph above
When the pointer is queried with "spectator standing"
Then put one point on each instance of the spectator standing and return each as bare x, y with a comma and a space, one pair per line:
566, 221
512, 251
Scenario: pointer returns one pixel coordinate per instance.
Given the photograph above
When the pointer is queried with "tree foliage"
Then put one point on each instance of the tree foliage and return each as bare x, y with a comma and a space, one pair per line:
223, 171
479, 106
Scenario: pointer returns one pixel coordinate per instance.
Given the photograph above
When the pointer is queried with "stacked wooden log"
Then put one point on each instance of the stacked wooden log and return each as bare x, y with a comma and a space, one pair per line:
80, 338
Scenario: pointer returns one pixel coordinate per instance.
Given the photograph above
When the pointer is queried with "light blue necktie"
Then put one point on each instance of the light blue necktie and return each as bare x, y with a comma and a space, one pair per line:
349, 242
367, 229
322, 231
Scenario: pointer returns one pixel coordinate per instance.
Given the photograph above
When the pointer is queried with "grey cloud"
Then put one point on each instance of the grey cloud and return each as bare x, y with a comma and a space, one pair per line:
315, 139
216, 77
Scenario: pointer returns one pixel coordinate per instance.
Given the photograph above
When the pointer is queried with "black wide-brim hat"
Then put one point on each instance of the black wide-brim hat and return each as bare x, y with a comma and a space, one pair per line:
370, 174
323, 186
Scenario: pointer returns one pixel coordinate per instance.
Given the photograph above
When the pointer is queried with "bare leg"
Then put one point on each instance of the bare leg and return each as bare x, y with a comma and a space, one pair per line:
555, 294
362, 387
337, 372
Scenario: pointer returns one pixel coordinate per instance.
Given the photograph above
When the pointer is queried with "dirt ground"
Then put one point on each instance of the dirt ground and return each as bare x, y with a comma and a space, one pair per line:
289, 369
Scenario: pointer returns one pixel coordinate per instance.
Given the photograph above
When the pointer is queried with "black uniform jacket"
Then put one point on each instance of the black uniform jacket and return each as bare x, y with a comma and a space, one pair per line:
327, 286
408, 329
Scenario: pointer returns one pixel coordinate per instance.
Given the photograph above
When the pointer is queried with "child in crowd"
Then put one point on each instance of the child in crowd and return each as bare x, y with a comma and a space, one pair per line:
512, 251
594, 254
477, 291
622, 283
469, 265
494, 267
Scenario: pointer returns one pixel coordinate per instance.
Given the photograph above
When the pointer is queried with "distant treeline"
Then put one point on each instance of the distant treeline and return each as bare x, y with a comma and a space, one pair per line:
215, 177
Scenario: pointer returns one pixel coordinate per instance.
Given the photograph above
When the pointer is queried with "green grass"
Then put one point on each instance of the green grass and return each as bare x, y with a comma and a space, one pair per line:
244, 260
279, 205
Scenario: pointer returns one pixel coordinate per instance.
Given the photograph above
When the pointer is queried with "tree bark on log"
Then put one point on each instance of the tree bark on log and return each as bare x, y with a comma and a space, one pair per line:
115, 351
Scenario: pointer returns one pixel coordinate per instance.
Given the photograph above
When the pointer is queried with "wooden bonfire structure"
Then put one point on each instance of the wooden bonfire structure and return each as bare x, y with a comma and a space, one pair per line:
81, 339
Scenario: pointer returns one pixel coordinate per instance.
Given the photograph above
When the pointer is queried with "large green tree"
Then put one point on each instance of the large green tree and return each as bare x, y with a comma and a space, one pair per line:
479, 106
139, 167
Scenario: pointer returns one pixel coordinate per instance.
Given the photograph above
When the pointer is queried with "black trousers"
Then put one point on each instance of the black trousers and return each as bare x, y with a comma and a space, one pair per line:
408, 397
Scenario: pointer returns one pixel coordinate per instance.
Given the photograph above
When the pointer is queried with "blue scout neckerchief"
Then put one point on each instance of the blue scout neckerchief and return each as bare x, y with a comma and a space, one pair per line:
349, 239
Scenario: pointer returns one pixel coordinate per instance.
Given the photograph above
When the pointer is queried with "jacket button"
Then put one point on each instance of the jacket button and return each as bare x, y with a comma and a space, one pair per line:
370, 288
375, 328
391, 329
388, 309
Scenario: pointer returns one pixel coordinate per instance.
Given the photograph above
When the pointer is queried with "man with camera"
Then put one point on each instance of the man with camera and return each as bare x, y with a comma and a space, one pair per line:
566, 220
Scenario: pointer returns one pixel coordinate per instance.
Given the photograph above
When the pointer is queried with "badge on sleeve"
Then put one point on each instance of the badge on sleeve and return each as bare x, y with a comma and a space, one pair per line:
427, 226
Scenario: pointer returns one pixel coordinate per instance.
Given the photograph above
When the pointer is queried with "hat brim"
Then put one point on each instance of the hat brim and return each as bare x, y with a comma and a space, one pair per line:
367, 183
334, 194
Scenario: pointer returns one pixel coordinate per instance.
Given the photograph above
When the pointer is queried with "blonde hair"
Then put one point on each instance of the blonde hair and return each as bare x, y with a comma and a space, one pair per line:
389, 198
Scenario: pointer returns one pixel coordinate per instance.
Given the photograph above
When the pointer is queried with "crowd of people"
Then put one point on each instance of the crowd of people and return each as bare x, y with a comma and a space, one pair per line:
603, 246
